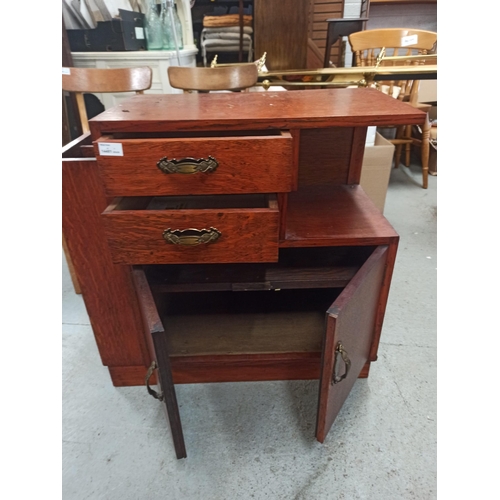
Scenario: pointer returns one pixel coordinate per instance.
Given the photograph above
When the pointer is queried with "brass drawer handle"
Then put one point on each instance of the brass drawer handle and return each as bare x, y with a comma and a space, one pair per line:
191, 237
187, 165
152, 392
343, 353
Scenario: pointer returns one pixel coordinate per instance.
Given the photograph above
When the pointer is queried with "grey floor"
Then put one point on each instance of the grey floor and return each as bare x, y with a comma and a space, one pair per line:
256, 440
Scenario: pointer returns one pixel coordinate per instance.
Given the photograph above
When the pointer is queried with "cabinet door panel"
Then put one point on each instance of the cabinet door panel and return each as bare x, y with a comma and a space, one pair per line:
350, 324
157, 344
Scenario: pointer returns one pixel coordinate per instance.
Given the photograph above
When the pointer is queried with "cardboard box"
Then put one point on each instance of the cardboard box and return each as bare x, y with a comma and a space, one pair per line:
376, 170
427, 91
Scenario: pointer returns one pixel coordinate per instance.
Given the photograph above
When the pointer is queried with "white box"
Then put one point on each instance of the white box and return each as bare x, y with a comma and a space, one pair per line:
370, 136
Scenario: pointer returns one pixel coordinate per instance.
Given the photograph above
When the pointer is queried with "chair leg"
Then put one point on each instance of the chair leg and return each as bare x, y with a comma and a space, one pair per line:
408, 145
426, 134
399, 147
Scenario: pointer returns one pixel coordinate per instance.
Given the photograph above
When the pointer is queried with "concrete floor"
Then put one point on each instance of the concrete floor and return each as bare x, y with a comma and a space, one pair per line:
256, 440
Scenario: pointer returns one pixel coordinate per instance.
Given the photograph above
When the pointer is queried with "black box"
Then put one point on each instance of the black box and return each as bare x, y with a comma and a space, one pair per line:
121, 33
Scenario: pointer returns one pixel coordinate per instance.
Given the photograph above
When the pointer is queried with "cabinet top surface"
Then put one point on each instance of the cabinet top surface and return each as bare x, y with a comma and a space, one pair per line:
256, 110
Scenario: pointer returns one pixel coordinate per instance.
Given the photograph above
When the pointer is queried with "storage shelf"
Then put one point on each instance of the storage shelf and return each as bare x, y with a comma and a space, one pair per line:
250, 323
297, 268
334, 216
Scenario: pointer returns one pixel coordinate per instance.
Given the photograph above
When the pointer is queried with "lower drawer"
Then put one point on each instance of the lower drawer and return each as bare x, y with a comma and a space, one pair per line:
201, 229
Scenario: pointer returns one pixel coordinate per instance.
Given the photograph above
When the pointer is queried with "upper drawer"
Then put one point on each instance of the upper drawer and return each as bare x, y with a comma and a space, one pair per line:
196, 165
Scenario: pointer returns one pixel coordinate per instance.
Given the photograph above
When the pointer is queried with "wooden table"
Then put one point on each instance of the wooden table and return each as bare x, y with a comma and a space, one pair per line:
236, 222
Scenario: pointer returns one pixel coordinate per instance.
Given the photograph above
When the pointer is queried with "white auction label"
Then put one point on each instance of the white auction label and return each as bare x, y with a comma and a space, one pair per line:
409, 40
66, 71
110, 149
139, 33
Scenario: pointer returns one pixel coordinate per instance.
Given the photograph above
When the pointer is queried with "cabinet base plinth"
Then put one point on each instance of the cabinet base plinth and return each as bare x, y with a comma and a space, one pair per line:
129, 376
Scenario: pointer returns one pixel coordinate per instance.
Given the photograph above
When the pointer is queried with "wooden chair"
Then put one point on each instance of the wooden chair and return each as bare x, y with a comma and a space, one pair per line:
367, 47
236, 77
89, 80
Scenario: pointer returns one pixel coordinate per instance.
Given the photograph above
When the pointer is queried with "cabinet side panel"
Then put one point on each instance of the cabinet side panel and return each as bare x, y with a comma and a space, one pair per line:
357, 154
107, 289
384, 295
325, 156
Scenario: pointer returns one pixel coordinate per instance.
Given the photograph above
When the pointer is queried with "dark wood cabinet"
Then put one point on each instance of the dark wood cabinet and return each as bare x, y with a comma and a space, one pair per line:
269, 262
281, 30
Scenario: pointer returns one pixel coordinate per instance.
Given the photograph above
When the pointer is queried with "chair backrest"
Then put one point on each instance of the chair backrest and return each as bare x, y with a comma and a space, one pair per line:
237, 77
88, 80
367, 45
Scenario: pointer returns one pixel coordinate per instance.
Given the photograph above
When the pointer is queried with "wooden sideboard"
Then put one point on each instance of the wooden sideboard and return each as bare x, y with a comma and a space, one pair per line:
225, 237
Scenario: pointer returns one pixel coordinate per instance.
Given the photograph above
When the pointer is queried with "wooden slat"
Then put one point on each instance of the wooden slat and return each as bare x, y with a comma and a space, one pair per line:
195, 370
320, 26
328, 7
271, 279
319, 12
322, 16
246, 368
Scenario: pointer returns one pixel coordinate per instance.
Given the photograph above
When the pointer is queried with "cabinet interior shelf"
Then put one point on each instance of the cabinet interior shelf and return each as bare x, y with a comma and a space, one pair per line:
334, 216
250, 323
297, 268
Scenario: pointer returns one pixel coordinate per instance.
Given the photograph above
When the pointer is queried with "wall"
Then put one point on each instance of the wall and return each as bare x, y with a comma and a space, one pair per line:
421, 16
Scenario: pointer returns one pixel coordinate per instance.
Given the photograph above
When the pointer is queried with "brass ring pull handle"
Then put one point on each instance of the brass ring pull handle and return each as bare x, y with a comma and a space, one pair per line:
340, 350
191, 237
156, 395
187, 165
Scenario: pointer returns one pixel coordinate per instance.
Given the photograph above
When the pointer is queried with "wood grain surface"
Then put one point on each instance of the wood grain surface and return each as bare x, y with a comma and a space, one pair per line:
247, 235
245, 165
106, 288
281, 28
350, 321
255, 110
334, 216
157, 341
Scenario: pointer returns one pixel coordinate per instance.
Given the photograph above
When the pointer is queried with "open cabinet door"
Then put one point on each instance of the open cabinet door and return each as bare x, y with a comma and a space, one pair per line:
350, 324
157, 344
